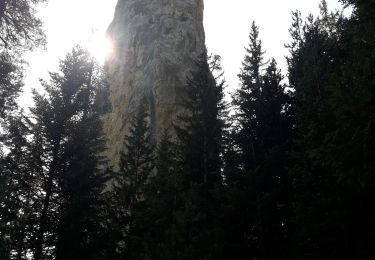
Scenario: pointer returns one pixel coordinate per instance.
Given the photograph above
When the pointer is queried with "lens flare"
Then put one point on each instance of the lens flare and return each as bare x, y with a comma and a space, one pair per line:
101, 48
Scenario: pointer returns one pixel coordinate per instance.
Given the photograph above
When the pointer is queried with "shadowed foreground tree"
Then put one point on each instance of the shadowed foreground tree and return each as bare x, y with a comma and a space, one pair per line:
175, 213
331, 68
53, 169
20, 29
262, 136
136, 167
289, 176
199, 130
16, 193
82, 199
246, 99
11, 77
157, 232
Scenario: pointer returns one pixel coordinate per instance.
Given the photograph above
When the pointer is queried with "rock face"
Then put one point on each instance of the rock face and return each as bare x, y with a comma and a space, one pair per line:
155, 45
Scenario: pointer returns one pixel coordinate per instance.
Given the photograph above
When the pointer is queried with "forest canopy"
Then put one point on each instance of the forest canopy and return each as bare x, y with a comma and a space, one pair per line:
282, 169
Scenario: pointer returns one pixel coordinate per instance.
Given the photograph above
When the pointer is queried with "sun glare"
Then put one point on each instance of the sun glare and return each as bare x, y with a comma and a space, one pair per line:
100, 47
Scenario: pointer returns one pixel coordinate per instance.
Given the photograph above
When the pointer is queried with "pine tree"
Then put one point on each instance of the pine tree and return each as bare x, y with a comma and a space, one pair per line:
177, 217
54, 115
270, 179
52, 165
200, 128
20, 29
10, 87
312, 60
10, 84
264, 122
135, 169
155, 216
200, 136
83, 181
15, 214
246, 97
330, 70
348, 145
247, 103
164, 199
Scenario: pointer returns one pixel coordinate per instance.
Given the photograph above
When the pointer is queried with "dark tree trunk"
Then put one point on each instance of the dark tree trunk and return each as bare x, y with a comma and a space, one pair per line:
43, 221
46, 205
205, 160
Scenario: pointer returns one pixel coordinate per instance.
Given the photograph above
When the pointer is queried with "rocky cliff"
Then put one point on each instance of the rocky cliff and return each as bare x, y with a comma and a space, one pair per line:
155, 45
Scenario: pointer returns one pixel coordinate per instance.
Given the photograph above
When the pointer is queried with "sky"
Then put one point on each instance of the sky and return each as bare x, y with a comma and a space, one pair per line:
227, 24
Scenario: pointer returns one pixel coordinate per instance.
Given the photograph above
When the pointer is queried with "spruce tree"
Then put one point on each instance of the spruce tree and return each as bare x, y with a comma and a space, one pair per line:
271, 180
52, 165
347, 145
84, 177
330, 70
54, 114
309, 68
263, 134
16, 215
11, 77
245, 99
135, 169
10, 86
20, 29
199, 130
247, 104
200, 137
164, 201
178, 216
155, 216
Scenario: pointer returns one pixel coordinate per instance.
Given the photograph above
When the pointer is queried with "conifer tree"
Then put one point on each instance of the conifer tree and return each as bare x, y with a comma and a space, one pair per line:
10, 87
16, 217
271, 180
200, 136
247, 103
11, 78
310, 64
52, 165
135, 169
264, 123
57, 115
329, 68
200, 129
246, 97
20, 29
155, 216
178, 217
83, 181
164, 199
349, 90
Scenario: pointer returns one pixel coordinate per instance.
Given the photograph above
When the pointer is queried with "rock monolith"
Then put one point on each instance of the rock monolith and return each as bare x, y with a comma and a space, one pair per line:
156, 43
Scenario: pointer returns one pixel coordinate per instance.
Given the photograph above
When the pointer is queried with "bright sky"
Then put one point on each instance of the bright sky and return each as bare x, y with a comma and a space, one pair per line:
227, 24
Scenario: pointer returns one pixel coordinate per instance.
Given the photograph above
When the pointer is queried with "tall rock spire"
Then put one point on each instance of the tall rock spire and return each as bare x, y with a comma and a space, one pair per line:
156, 43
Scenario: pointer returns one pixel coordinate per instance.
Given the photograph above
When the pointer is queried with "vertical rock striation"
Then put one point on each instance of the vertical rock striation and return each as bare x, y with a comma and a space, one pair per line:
155, 43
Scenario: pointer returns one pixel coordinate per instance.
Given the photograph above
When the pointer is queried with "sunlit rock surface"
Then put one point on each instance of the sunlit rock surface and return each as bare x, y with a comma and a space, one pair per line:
156, 43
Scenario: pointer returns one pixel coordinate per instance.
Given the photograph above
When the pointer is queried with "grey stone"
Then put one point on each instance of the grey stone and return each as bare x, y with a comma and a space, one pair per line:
155, 45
